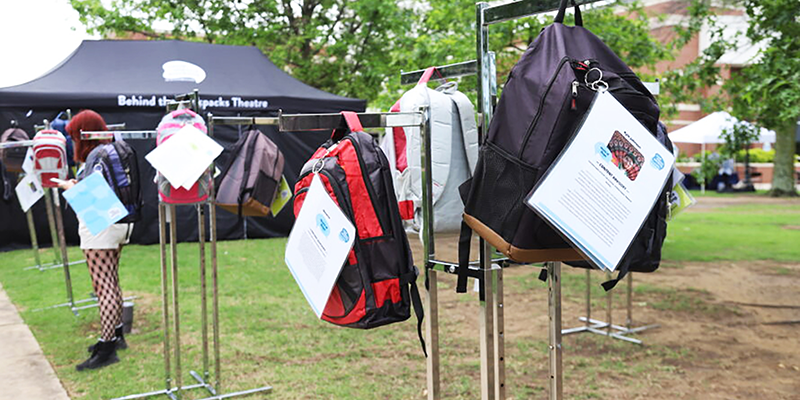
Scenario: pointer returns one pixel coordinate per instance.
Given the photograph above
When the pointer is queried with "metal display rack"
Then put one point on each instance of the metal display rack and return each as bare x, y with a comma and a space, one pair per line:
313, 122
56, 226
485, 270
487, 15
167, 215
607, 328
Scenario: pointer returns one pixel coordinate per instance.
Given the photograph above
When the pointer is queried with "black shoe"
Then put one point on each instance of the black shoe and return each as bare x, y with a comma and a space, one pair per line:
121, 343
105, 353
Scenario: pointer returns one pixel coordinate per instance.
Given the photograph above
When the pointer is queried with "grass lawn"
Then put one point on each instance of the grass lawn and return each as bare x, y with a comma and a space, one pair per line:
270, 336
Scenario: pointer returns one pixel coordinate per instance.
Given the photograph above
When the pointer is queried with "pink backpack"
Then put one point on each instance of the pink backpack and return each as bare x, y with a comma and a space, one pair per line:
169, 125
50, 157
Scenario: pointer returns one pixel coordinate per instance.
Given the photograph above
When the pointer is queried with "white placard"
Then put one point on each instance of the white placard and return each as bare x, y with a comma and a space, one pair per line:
604, 184
29, 191
318, 245
184, 156
27, 165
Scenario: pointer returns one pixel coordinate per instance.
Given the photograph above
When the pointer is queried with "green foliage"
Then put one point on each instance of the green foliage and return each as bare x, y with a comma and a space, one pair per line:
739, 136
709, 167
358, 48
756, 155
768, 90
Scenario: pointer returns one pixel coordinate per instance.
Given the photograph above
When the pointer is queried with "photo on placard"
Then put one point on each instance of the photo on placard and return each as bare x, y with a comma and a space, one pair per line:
625, 156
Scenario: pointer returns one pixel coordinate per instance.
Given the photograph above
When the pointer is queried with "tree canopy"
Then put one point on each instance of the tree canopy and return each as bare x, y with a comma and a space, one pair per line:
357, 48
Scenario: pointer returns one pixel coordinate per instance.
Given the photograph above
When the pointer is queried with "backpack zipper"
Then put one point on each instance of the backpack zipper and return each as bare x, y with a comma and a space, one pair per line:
541, 106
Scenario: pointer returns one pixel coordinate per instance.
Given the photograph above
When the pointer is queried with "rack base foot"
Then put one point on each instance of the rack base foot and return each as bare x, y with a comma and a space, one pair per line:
53, 265
74, 308
201, 384
601, 328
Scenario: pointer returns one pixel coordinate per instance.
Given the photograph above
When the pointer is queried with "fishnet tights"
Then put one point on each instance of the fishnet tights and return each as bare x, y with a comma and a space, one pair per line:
103, 267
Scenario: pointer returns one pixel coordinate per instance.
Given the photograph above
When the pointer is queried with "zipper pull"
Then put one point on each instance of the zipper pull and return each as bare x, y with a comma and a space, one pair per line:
574, 106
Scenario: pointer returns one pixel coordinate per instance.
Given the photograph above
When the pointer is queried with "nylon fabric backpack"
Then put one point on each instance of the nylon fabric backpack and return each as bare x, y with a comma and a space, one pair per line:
545, 98
377, 285
118, 163
250, 178
14, 157
454, 153
169, 125
50, 157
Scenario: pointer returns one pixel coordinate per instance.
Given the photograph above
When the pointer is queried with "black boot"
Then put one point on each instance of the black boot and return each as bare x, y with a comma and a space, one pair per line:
105, 353
121, 343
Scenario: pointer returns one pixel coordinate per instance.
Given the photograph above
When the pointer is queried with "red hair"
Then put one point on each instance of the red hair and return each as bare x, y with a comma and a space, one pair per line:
86, 120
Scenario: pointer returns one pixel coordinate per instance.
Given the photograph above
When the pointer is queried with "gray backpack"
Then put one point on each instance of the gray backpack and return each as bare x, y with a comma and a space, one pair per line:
251, 176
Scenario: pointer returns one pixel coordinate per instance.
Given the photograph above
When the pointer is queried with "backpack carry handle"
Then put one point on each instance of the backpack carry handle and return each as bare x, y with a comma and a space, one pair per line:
352, 121
562, 9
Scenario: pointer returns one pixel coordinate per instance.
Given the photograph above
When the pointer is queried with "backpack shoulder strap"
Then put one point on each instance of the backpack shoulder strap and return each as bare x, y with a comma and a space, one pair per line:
469, 128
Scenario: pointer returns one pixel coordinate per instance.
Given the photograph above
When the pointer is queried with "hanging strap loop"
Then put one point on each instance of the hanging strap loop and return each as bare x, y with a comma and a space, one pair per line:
562, 10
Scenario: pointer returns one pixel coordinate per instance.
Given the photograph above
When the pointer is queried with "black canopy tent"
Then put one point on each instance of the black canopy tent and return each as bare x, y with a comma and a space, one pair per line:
130, 82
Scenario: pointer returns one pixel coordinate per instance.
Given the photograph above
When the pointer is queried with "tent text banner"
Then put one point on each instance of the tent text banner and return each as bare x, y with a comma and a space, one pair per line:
219, 102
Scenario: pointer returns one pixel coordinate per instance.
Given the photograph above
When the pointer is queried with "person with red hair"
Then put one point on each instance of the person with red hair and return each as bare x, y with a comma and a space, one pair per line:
102, 252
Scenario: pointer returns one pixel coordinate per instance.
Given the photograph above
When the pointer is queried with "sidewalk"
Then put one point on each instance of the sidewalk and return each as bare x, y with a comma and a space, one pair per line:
24, 371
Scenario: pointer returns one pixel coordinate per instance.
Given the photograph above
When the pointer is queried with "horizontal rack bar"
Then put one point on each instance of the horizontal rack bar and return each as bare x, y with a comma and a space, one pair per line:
464, 68
21, 143
313, 122
518, 9
104, 135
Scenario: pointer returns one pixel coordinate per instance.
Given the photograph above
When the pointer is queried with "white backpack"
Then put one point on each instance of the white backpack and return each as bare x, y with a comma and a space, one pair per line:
454, 152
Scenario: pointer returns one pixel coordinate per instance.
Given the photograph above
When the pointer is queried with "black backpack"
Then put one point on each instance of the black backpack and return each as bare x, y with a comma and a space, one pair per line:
120, 167
546, 96
377, 285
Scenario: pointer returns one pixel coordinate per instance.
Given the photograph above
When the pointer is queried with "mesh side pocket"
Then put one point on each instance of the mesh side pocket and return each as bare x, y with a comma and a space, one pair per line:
498, 190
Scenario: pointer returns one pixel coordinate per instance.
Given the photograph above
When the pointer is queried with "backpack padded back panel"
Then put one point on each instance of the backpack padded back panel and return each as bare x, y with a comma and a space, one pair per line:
13, 158
50, 157
542, 104
120, 167
249, 180
377, 283
169, 125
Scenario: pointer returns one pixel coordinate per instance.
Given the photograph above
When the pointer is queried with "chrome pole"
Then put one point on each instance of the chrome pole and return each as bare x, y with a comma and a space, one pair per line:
554, 308
609, 302
51, 220
201, 238
629, 321
162, 241
173, 244
63, 246
499, 335
34, 239
212, 221
588, 298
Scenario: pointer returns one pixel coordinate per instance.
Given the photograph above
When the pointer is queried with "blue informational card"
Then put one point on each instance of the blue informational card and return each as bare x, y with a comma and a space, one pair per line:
95, 203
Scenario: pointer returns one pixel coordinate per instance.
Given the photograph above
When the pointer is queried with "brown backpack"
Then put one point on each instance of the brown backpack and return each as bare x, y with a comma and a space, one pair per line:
248, 183
14, 157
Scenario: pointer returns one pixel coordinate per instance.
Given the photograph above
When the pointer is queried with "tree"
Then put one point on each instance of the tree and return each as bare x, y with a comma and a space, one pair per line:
357, 48
336, 45
768, 90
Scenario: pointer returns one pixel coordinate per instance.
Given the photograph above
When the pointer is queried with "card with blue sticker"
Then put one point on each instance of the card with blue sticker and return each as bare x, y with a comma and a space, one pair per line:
95, 203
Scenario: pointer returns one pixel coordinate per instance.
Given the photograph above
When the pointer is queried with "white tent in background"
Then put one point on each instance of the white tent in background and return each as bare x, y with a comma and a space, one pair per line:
709, 130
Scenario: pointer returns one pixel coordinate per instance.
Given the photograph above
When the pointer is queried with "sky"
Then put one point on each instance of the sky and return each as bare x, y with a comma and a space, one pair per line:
35, 36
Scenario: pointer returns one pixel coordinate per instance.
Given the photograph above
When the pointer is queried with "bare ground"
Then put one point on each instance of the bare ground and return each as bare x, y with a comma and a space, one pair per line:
728, 330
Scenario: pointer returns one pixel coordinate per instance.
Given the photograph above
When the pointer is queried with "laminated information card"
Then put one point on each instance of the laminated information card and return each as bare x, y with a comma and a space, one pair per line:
95, 203
318, 245
603, 185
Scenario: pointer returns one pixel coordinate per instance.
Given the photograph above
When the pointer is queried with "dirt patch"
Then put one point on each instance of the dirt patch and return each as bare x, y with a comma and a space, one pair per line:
728, 330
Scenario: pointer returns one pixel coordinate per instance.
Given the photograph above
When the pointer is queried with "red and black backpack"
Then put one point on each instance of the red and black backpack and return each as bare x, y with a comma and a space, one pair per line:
377, 285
